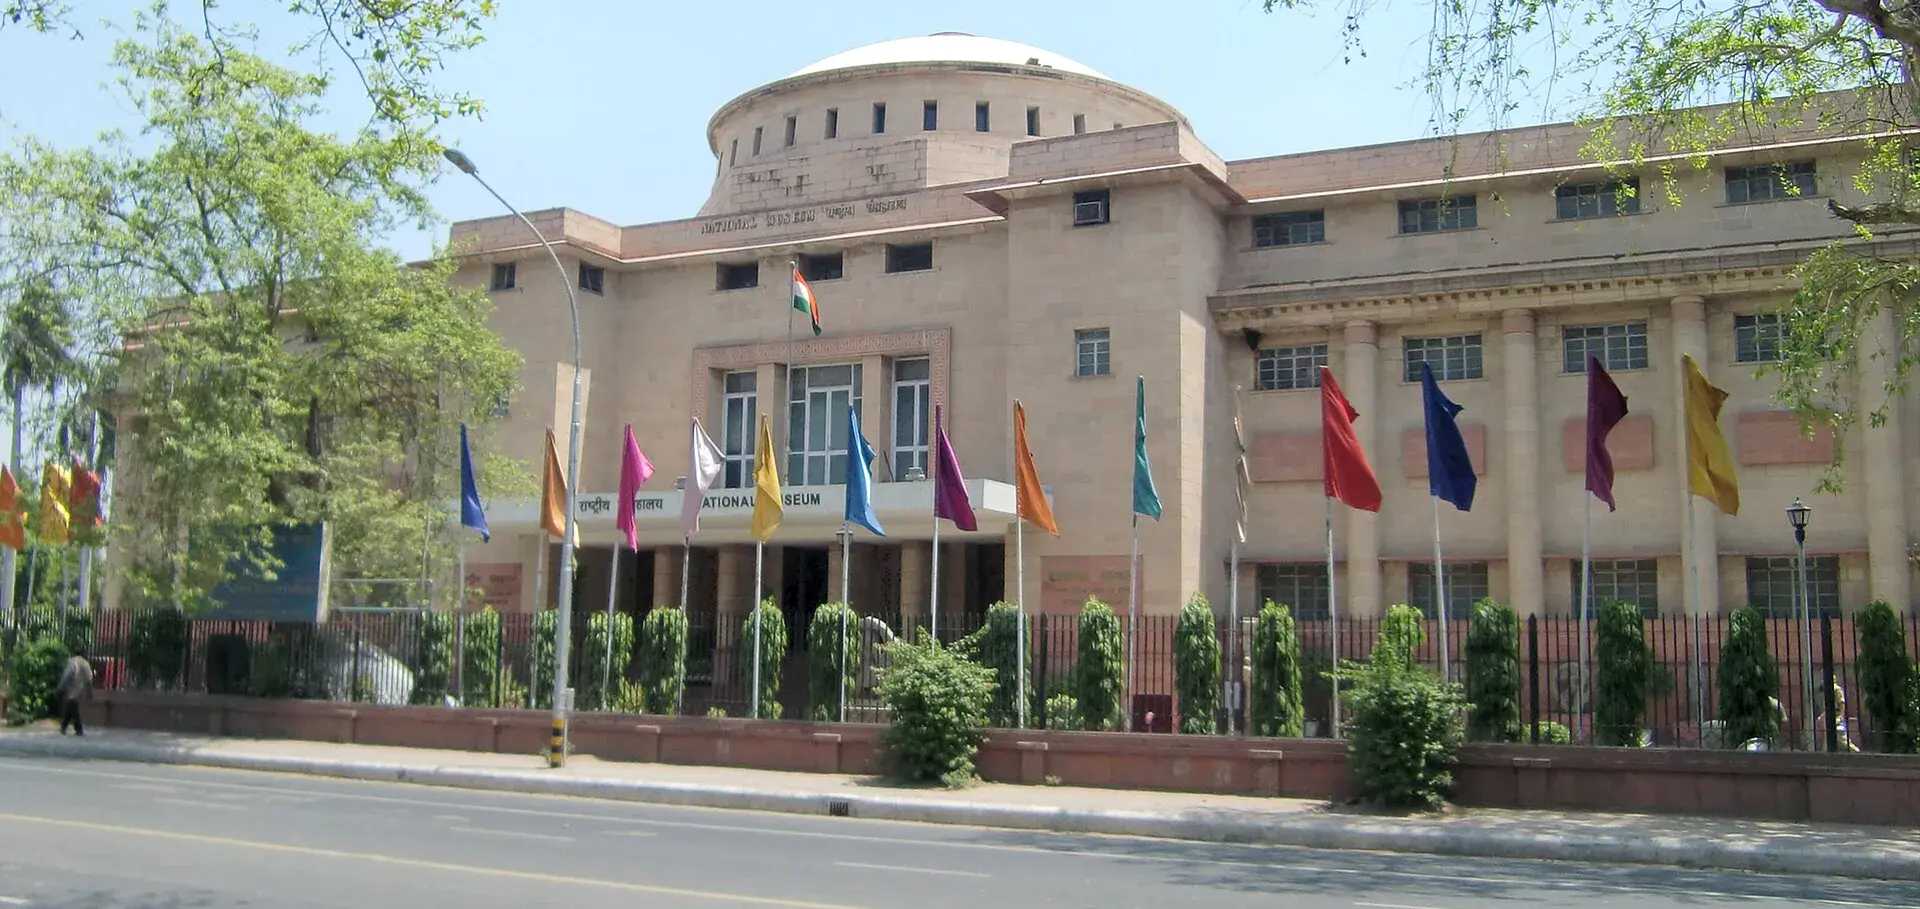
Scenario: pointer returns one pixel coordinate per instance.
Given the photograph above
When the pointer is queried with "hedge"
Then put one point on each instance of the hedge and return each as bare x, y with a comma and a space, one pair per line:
1749, 681
1887, 679
1000, 649
1100, 675
432, 660
480, 668
1196, 667
600, 680
1623, 674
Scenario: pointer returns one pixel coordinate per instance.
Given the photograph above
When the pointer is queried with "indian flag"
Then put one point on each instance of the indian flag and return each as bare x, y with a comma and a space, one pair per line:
804, 300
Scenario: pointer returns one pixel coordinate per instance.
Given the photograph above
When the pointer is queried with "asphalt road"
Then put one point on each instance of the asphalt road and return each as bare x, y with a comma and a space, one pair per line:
99, 834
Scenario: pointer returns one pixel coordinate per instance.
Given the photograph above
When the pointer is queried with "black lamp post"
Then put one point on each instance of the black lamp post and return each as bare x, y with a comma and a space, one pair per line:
1798, 515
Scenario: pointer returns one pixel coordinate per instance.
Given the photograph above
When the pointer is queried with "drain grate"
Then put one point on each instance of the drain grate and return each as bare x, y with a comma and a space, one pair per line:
839, 808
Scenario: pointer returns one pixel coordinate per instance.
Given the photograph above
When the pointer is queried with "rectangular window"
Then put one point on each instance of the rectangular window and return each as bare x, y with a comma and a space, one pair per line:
793, 129
737, 275
593, 279
1635, 581
1094, 206
1300, 586
879, 117
1092, 352
929, 115
818, 398
1281, 368
1773, 587
909, 257
912, 414
1289, 228
504, 276
1466, 585
738, 423
1079, 124
1453, 357
1622, 345
1425, 216
1756, 338
733, 152
833, 123
1033, 121
823, 267
981, 117
1766, 182
756, 140
1575, 201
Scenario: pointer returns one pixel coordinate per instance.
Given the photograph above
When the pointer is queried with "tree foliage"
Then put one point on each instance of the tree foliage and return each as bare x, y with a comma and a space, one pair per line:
998, 646
833, 662
1623, 674
433, 659
1886, 679
773, 653
603, 669
1493, 673
938, 702
1749, 680
1100, 673
1404, 729
663, 659
1196, 667
1275, 705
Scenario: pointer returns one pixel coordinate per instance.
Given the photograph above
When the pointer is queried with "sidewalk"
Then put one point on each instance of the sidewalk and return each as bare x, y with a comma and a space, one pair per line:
1779, 847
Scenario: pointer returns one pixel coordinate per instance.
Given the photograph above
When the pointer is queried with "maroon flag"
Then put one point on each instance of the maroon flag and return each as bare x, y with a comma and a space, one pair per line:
1606, 406
949, 485
1344, 468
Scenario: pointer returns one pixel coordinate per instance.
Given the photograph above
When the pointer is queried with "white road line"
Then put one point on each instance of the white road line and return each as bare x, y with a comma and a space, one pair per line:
483, 831
450, 818
634, 833
1391, 906
190, 803
12, 901
903, 868
146, 787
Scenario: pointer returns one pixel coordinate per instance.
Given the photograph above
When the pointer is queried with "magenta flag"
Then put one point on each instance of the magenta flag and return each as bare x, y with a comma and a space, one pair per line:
1605, 407
635, 469
949, 484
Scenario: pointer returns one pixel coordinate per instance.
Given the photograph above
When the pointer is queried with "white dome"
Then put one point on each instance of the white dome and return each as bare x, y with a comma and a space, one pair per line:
948, 47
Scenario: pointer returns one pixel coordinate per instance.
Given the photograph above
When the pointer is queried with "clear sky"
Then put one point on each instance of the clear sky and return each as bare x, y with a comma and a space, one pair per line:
602, 105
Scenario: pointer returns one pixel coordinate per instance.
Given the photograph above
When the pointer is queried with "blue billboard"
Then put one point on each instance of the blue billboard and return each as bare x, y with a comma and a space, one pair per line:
296, 593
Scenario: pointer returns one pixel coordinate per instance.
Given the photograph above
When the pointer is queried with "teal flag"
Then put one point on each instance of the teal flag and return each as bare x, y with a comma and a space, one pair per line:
1146, 499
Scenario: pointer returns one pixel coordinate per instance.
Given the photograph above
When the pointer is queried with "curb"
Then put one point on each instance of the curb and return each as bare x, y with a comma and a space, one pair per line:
1317, 832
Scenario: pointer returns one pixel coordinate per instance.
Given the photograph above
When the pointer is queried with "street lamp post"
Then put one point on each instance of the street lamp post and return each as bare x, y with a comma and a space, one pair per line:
563, 629
1797, 515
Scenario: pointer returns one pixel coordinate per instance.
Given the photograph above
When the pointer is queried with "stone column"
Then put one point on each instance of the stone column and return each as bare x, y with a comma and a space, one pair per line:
1521, 464
734, 580
1889, 574
955, 568
916, 566
666, 576
1360, 380
835, 593
1700, 555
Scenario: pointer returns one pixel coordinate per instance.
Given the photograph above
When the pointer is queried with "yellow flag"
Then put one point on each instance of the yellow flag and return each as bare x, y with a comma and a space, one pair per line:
53, 505
553, 494
766, 485
1709, 466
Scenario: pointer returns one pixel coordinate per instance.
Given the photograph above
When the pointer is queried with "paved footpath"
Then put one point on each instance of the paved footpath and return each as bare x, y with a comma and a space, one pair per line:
1832, 850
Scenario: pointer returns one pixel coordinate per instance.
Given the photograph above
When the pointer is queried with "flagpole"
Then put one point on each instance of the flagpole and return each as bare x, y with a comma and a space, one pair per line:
933, 613
1233, 627
1133, 612
846, 598
606, 670
1586, 597
460, 624
1440, 588
1333, 620
759, 558
1020, 604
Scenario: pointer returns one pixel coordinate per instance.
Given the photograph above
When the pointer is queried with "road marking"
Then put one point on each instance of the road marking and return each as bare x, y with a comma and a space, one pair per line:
634, 833
1392, 906
451, 867
189, 803
903, 868
146, 787
12, 901
483, 831
450, 818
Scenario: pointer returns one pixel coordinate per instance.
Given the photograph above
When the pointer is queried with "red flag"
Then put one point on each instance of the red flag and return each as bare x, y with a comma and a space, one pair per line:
83, 500
1344, 468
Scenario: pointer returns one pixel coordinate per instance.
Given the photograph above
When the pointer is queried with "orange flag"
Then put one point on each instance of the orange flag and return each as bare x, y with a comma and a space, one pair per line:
13, 528
1030, 499
553, 492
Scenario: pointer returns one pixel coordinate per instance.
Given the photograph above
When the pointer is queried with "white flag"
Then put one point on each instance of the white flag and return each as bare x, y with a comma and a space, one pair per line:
704, 462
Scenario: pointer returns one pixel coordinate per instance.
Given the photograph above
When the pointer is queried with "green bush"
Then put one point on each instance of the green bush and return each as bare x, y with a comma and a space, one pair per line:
1887, 679
1100, 674
1623, 675
600, 678
833, 660
1063, 712
545, 623
1749, 681
773, 652
1493, 673
1274, 703
1552, 733
480, 670
938, 702
663, 659
433, 659
43, 621
998, 647
1401, 634
1196, 667
157, 653
1404, 726
1316, 687
272, 675
33, 674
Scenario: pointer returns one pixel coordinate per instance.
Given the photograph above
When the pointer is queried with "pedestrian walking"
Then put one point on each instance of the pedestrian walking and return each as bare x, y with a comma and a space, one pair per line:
76, 685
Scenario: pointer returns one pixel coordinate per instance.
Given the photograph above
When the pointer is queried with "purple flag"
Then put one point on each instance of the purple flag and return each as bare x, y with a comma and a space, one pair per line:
1605, 407
635, 469
949, 485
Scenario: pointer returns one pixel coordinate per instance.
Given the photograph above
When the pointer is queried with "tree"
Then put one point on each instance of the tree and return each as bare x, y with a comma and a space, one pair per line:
1749, 680
1274, 705
1196, 667
1493, 673
1623, 673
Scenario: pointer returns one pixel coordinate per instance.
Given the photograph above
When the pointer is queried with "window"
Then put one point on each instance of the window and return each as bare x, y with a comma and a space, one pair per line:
1772, 587
1767, 182
909, 257
1301, 586
1466, 585
733, 152
1425, 216
1280, 368
818, 398
929, 115
1619, 346
738, 423
793, 128
980, 117
1635, 581
593, 279
1033, 121
1453, 357
1756, 338
1290, 228
833, 123
1093, 352
879, 117
1079, 124
912, 409
756, 140
1575, 201
737, 275
823, 267
1094, 206
504, 276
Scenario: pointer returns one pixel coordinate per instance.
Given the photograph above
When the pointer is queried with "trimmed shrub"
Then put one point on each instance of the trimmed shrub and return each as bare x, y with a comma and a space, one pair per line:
1493, 673
938, 701
1748, 682
480, 658
1405, 726
33, 674
1274, 704
998, 646
157, 653
600, 679
43, 621
432, 660
1099, 681
773, 652
833, 644
1316, 687
272, 675
1623, 675
1063, 712
663, 659
1196, 667
545, 623
1886, 679
1401, 634
1552, 733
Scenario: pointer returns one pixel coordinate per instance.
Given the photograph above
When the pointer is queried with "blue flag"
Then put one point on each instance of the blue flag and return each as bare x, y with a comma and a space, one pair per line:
860, 477
471, 514
1449, 470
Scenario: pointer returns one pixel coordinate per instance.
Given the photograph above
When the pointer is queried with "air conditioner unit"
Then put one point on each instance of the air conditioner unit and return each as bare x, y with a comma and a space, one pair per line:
1094, 212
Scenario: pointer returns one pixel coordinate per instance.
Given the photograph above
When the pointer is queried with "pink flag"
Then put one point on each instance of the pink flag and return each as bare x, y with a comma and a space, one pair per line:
634, 471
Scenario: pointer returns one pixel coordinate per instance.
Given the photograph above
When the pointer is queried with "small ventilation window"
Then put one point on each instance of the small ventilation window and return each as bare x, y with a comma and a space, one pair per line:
982, 117
833, 123
737, 275
1079, 124
733, 153
879, 117
793, 127
929, 115
1092, 207
756, 140
1033, 121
